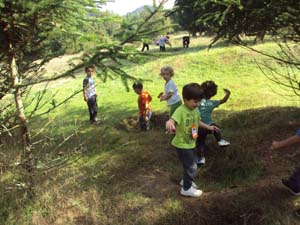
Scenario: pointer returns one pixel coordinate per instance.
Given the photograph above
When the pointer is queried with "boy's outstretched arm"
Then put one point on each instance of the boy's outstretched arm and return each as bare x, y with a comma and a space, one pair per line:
166, 97
286, 142
170, 126
226, 97
207, 127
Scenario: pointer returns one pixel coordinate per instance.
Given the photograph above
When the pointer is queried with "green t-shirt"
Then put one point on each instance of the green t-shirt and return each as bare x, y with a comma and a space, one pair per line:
185, 118
205, 108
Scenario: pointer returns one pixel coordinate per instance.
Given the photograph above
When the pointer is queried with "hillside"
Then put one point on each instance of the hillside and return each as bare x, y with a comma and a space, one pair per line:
112, 173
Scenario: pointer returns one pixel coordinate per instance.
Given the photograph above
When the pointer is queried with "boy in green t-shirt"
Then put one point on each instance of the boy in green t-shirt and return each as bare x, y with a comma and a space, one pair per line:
185, 122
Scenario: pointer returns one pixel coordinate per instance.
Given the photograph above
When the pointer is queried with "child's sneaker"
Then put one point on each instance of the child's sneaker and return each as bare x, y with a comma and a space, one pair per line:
223, 143
193, 184
290, 187
201, 161
192, 192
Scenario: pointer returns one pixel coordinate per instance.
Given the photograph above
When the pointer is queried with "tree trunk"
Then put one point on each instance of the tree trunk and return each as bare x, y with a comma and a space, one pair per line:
27, 157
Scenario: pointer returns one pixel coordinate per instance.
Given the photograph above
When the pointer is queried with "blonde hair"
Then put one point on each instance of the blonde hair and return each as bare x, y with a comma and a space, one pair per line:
167, 70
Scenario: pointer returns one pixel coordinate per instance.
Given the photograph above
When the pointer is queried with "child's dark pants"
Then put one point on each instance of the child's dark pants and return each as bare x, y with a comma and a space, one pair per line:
187, 158
144, 125
202, 133
294, 179
145, 46
162, 48
93, 107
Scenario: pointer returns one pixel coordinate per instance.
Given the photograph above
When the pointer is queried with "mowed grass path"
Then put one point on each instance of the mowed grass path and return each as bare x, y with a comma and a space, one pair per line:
115, 174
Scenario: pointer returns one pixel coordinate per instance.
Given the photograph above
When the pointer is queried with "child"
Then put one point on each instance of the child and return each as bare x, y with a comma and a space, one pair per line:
171, 93
205, 108
185, 122
162, 41
293, 182
185, 41
89, 93
144, 100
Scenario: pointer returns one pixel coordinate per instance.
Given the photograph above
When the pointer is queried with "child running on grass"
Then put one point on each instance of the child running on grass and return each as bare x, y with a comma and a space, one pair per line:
144, 100
293, 182
185, 122
206, 108
89, 93
171, 92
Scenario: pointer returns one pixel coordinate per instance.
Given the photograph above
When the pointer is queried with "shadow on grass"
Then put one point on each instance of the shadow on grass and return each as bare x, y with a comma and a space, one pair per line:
265, 205
136, 174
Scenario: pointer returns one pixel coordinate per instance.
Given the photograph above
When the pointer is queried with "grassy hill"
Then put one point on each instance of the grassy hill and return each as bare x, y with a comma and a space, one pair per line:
111, 173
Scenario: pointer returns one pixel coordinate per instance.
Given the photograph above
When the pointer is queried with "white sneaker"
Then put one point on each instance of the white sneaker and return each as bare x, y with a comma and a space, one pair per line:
222, 143
193, 184
192, 192
201, 161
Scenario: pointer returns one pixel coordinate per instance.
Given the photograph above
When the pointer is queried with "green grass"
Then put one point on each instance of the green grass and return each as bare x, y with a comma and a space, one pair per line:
110, 174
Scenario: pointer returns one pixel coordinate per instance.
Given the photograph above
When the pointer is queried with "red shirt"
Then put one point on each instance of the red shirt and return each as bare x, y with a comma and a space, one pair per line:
144, 102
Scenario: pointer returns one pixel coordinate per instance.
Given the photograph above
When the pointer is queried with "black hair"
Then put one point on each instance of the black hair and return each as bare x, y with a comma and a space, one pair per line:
209, 89
192, 91
137, 85
88, 67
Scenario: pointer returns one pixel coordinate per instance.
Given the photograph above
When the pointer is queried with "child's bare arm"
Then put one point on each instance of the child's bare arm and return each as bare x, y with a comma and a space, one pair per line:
286, 142
166, 97
207, 127
84, 94
226, 97
170, 126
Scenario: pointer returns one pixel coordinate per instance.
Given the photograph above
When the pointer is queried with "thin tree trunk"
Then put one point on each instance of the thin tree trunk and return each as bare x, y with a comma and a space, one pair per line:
27, 158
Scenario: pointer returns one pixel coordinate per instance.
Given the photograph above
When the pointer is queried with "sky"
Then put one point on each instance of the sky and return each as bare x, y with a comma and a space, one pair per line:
122, 7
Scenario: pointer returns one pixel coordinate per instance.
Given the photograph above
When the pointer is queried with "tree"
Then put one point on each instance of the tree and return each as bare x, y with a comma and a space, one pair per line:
185, 15
25, 48
229, 19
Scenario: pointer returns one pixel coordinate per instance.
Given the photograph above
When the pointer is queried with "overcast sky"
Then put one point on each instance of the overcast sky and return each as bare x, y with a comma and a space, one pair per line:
122, 7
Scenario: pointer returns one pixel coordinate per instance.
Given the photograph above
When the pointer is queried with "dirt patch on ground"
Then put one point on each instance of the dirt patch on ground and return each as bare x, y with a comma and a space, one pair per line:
158, 121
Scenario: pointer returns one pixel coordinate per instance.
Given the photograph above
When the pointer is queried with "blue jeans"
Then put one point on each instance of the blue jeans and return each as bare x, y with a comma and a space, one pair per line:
145, 125
187, 158
93, 107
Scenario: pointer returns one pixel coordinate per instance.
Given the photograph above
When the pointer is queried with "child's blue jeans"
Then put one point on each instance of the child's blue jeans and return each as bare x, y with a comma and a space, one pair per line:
188, 160
93, 107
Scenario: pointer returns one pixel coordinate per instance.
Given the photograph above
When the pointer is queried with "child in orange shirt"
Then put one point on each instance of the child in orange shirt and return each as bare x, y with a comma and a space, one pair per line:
144, 100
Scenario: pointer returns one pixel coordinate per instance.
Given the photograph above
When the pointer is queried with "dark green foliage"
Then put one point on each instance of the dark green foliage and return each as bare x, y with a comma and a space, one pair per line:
231, 18
28, 31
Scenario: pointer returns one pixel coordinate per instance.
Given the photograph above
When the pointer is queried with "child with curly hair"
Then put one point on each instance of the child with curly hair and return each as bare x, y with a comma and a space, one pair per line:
206, 108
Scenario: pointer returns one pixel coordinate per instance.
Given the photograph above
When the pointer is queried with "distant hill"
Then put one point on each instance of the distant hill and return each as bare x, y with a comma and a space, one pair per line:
140, 9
